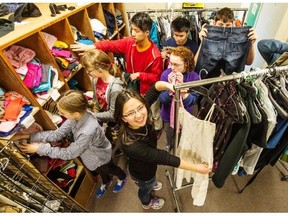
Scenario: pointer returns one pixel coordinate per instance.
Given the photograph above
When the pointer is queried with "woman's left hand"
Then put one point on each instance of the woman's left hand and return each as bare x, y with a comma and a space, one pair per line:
29, 148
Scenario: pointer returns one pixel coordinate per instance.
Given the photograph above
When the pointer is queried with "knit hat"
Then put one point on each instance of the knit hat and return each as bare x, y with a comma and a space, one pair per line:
24, 11
6, 26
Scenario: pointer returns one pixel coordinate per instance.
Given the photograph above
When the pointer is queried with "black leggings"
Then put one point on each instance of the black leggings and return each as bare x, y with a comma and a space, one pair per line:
108, 170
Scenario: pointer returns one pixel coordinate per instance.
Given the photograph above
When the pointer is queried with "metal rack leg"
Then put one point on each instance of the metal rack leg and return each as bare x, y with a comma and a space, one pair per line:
284, 177
173, 191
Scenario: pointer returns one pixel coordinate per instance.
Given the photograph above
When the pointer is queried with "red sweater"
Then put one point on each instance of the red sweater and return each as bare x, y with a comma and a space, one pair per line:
153, 60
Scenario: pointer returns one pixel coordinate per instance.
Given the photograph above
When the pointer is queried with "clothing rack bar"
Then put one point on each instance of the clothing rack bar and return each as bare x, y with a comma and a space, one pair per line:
240, 76
188, 10
183, 10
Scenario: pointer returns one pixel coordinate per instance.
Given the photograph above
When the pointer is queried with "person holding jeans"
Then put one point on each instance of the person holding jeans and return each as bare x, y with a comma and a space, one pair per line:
230, 40
271, 49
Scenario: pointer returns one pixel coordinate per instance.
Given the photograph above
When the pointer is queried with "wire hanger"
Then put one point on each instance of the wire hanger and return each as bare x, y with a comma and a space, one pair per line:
3, 163
200, 73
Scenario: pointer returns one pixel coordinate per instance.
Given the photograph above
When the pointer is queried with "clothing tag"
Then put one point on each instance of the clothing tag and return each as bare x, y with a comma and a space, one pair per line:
28, 121
55, 94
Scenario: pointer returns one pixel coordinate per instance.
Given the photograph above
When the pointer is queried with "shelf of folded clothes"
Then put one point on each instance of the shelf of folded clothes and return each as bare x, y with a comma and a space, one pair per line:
25, 118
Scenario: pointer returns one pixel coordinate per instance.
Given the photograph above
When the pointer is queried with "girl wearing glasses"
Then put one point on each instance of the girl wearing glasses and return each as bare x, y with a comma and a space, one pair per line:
139, 143
180, 70
108, 82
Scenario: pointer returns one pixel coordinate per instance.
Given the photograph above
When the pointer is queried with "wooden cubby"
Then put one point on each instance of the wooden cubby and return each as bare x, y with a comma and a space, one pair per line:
29, 35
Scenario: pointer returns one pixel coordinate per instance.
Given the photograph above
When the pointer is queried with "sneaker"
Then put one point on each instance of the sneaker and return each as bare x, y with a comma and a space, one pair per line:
120, 184
157, 186
155, 203
101, 191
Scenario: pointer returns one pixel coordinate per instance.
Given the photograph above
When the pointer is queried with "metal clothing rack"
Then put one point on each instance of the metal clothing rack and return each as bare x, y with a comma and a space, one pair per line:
284, 177
188, 85
129, 12
27, 187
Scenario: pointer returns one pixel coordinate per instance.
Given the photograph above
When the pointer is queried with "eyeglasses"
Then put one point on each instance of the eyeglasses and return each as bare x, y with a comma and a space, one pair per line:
89, 71
132, 113
175, 65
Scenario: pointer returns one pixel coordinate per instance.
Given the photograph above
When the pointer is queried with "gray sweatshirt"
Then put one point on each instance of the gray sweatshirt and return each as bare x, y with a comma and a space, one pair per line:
114, 88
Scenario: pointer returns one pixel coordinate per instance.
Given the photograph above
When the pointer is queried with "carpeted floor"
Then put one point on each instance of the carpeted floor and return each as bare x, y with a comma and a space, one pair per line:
268, 193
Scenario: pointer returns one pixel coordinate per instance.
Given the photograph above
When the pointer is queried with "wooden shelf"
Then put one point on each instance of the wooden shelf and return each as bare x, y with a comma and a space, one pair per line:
121, 27
85, 191
32, 25
78, 172
34, 111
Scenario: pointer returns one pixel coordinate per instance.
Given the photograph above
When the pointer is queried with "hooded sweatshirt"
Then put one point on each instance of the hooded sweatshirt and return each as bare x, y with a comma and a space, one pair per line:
114, 88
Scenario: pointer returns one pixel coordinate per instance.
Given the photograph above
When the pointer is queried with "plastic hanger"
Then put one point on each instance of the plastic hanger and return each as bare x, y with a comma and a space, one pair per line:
204, 92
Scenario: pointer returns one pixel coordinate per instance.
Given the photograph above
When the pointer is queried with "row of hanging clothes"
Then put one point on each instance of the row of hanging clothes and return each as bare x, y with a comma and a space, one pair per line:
162, 18
243, 127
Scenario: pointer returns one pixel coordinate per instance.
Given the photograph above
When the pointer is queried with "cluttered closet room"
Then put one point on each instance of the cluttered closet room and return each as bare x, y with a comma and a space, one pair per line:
143, 107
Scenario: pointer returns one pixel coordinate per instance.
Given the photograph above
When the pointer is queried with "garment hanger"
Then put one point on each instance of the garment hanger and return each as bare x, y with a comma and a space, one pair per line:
200, 73
204, 92
3, 163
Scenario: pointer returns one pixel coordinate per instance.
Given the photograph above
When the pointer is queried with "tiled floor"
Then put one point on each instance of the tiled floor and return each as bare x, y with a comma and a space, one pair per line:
266, 194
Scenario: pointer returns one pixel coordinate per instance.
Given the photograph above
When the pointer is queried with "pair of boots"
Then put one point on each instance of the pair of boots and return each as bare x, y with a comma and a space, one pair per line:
55, 9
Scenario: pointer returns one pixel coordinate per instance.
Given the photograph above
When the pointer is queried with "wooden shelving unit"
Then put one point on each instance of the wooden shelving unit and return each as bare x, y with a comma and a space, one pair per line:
29, 34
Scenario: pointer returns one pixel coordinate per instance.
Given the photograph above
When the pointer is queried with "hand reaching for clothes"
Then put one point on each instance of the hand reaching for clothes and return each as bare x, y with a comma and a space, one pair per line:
29, 148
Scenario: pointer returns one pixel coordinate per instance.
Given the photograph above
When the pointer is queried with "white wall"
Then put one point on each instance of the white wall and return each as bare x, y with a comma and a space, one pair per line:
282, 33
271, 23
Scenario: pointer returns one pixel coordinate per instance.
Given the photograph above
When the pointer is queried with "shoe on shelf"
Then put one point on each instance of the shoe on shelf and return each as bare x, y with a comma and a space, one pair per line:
155, 203
157, 186
101, 191
119, 185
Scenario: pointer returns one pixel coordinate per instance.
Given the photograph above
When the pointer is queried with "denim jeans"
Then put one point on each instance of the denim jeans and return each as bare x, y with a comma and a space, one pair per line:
271, 49
145, 189
224, 48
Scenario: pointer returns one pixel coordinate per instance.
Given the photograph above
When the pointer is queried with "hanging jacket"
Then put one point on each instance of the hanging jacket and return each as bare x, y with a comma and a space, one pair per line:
154, 36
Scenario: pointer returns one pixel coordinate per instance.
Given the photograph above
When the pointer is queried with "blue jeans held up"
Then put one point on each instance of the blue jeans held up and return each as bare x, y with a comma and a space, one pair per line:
271, 49
224, 47
145, 189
